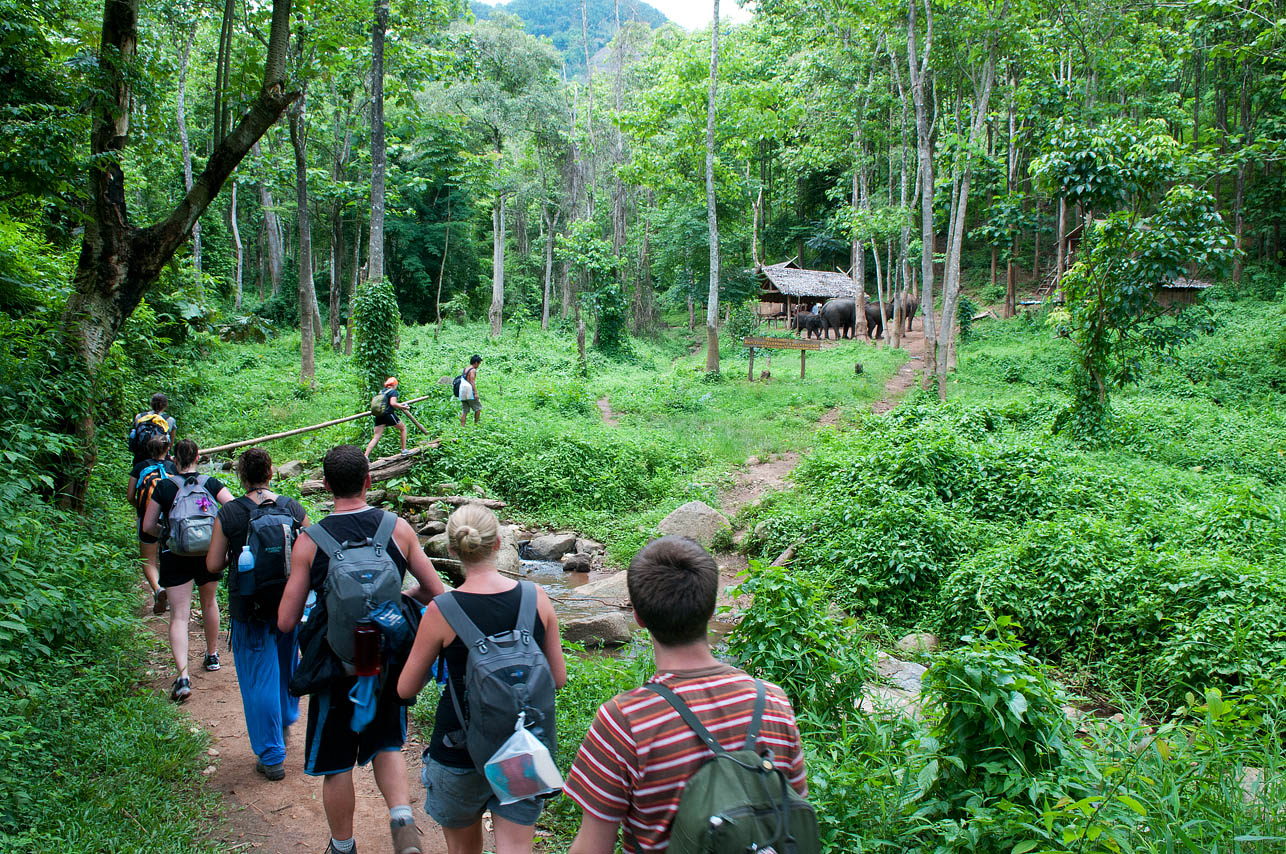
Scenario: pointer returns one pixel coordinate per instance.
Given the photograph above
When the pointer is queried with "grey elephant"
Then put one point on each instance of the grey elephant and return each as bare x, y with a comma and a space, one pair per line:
808, 324
910, 307
841, 315
874, 321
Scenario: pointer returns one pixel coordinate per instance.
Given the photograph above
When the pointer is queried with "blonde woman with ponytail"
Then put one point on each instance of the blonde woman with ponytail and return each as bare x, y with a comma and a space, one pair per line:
457, 792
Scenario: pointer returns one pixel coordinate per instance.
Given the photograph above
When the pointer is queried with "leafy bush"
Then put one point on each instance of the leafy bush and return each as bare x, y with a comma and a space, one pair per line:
376, 323
1000, 727
789, 637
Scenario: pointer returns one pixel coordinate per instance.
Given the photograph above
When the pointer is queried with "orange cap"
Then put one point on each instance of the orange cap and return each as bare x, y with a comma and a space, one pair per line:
390, 382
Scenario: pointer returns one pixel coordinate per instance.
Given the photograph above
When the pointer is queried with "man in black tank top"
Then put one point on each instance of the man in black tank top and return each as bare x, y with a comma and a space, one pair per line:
332, 748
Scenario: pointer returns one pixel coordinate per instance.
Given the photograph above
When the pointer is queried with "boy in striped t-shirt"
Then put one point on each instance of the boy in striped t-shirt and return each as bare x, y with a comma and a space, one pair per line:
638, 754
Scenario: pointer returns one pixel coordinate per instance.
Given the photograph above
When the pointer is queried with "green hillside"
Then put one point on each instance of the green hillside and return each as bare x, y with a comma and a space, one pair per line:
561, 22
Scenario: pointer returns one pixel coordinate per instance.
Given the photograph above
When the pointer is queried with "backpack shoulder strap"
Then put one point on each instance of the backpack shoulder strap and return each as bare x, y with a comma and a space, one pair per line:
459, 621
384, 532
527, 615
689, 718
756, 718
324, 540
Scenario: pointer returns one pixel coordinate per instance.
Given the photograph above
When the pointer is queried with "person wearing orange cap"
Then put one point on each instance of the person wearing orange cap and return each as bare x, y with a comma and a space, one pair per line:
389, 416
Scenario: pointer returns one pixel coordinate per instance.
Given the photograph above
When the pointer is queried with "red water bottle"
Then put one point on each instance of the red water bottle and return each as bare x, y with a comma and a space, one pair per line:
366, 649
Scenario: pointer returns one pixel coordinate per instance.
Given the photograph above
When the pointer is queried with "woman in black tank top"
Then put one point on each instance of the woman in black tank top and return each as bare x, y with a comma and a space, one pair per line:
457, 793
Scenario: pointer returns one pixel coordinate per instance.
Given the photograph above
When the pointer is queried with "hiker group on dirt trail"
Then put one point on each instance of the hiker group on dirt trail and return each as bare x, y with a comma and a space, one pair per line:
703, 757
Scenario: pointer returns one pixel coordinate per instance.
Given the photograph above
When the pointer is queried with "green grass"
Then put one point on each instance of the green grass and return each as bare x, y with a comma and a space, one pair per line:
93, 760
543, 445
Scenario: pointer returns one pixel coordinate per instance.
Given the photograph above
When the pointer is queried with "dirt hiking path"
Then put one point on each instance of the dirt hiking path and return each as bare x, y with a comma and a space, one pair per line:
285, 816
766, 475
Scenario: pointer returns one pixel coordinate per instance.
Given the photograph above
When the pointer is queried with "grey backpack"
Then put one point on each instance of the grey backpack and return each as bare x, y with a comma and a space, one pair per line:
191, 516
507, 673
362, 576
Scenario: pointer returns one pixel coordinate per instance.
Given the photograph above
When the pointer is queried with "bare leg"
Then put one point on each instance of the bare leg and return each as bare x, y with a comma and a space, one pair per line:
401, 428
464, 840
390, 776
210, 614
339, 800
180, 612
512, 838
150, 553
464, 414
379, 431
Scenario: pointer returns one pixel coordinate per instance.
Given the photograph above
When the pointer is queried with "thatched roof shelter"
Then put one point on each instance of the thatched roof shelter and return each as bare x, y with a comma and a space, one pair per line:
788, 284
1179, 292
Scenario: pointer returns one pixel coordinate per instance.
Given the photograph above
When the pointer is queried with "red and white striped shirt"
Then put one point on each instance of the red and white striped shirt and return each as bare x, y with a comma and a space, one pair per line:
639, 754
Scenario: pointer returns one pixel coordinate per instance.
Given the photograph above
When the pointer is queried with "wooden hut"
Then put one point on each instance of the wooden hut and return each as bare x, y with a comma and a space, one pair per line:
1183, 291
786, 287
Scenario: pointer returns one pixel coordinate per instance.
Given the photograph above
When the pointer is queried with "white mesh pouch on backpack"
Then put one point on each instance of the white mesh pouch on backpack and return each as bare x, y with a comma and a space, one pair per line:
191, 516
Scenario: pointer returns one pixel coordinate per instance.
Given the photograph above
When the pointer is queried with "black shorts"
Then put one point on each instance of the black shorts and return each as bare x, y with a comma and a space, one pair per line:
180, 569
331, 746
142, 537
388, 419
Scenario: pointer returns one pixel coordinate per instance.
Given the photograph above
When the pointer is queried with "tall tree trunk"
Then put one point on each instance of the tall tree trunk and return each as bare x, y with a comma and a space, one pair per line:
1060, 258
272, 227
919, 71
352, 287
307, 298
119, 262
336, 274
589, 115
260, 261
238, 253
442, 269
644, 309
951, 274
857, 258
496, 313
375, 252
181, 118
549, 226
712, 220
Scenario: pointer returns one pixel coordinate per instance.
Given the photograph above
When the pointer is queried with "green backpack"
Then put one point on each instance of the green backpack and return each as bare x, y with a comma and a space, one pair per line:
739, 802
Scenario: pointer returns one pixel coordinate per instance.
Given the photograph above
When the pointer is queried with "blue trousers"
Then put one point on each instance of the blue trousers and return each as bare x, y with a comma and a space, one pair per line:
265, 660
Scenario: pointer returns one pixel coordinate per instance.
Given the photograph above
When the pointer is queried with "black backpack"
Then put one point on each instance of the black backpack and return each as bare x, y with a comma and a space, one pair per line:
738, 801
146, 426
270, 535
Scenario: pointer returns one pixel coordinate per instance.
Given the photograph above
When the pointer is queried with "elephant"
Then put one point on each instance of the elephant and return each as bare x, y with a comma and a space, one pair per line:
874, 321
808, 324
910, 306
840, 315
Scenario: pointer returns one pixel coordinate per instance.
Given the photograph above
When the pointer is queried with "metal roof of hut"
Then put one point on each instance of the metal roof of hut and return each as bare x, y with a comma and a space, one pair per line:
789, 279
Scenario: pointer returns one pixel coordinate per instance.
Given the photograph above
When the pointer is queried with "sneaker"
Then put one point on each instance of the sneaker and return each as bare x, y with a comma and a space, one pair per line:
160, 601
407, 452
182, 689
406, 838
272, 772
331, 849
212, 661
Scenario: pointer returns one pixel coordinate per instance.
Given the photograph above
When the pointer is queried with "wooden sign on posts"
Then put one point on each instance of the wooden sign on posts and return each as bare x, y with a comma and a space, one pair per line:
801, 344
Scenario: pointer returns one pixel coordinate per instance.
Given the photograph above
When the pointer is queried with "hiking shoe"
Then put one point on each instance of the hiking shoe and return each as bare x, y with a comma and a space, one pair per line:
331, 849
182, 689
212, 661
160, 601
406, 838
272, 772
407, 452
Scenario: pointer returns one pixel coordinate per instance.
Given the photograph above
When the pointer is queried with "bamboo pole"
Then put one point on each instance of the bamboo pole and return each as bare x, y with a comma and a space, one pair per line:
231, 446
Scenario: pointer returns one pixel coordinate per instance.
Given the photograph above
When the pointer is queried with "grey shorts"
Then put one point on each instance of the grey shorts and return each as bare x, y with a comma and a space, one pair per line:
457, 797
472, 405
